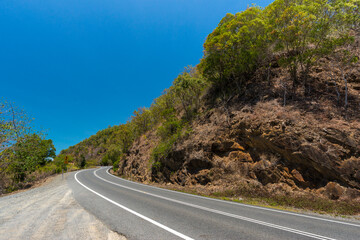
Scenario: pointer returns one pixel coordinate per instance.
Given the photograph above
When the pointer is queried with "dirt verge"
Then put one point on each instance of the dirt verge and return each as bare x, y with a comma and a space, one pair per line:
49, 212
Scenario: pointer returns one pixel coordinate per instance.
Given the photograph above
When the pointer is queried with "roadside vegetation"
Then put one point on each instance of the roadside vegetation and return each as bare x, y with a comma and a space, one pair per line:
240, 55
26, 156
318, 205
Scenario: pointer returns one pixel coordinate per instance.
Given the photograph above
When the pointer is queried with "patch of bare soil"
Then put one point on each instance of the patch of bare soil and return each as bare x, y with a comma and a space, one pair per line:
49, 212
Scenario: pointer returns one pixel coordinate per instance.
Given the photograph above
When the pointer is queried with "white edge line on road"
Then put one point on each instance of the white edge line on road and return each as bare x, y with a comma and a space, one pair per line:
223, 213
135, 213
241, 204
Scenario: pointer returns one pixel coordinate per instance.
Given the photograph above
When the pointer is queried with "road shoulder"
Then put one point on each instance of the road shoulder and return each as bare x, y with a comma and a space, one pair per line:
49, 212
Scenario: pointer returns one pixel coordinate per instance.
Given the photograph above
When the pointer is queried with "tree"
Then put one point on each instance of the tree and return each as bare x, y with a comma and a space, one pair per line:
163, 106
125, 137
82, 161
142, 119
347, 17
234, 48
61, 161
14, 124
187, 88
30, 151
300, 28
345, 59
112, 155
22, 150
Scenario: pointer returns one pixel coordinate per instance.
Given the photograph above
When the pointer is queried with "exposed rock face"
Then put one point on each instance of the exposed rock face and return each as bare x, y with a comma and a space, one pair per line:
266, 144
136, 165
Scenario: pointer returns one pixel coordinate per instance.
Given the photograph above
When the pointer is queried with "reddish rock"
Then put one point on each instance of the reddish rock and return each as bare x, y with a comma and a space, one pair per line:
351, 194
261, 165
334, 190
236, 146
297, 176
226, 146
240, 156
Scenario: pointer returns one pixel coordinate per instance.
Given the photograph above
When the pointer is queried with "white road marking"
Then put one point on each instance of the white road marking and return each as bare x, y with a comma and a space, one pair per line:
312, 235
135, 213
240, 204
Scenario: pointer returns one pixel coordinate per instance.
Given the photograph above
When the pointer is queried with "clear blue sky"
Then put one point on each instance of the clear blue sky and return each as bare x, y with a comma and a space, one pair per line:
78, 66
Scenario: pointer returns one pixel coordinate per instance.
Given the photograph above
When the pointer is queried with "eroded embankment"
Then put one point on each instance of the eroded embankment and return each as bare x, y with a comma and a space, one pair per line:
266, 150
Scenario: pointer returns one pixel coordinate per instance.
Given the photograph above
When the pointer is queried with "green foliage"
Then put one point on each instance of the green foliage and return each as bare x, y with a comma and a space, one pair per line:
161, 151
234, 48
187, 89
112, 155
116, 165
300, 28
163, 106
304, 30
156, 166
82, 162
22, 150
105, 160
170, 127
141, 120
347, 17
60, 162
30, 151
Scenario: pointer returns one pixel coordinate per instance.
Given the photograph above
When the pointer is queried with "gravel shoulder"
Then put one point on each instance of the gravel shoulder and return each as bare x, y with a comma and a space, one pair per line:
49, 212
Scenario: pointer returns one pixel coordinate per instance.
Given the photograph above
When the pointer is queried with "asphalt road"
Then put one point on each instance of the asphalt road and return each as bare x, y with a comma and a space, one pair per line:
139, 211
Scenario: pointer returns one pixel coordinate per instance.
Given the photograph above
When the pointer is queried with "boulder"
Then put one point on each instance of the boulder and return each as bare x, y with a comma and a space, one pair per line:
297, 176
226, 146
240, 156
333, 190
261, 165
339, 137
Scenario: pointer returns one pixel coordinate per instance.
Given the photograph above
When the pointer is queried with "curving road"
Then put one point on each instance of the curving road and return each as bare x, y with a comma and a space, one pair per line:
144, 212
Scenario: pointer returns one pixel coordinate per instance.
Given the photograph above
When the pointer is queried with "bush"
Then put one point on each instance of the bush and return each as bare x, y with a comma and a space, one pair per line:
90, 163
105, 161
169, 128
116, 165
160, 152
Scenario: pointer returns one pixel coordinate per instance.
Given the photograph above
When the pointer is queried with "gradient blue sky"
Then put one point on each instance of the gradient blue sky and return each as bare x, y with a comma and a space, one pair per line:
78, 66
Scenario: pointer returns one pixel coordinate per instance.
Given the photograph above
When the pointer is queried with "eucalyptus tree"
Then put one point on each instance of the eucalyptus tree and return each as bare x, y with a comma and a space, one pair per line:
234, 49
187, 89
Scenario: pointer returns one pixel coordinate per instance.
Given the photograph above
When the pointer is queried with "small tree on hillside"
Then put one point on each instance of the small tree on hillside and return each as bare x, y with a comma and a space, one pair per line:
187, 88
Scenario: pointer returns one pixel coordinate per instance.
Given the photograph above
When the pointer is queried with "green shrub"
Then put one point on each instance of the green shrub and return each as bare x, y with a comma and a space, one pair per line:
169, 128
90, 163
116, 165
105, 160
161, 151
156, 166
